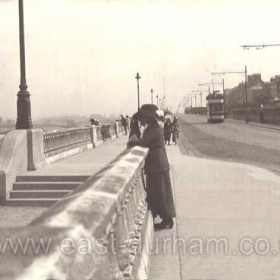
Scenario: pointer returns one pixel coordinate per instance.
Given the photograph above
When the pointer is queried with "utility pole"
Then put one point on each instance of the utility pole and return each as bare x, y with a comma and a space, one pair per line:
224, 95
208, 84
200, 92
246, 93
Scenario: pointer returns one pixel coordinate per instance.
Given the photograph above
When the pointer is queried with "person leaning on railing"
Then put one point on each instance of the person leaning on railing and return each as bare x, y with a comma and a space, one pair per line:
159, 190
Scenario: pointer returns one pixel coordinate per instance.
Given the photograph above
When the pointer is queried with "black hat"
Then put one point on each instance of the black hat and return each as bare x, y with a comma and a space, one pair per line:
148, 110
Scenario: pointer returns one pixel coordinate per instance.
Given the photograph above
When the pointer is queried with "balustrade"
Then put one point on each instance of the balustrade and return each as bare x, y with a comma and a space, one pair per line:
110, 212
56, 142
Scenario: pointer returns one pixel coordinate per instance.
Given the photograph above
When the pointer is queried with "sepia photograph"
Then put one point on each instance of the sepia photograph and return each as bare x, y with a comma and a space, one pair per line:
139, 140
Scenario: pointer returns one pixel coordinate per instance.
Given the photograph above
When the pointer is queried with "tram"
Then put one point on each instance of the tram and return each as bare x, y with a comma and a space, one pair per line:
215, 107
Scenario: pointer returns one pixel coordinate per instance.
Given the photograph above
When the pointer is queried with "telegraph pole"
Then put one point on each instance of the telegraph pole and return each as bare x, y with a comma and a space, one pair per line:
246, 93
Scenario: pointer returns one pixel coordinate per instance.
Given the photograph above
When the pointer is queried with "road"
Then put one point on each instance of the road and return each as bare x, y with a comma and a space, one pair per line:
231, 141
234, 205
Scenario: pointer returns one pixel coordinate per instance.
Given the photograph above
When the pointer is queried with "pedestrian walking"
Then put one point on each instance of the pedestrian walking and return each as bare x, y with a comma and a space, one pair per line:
124, 124
127, 122
167, 128
159, 190
175, 130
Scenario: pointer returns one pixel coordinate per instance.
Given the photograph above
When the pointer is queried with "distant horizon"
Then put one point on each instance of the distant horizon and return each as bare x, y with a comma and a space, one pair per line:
83, 56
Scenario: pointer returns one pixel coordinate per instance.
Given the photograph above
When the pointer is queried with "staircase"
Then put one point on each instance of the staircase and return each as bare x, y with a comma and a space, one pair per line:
42, 191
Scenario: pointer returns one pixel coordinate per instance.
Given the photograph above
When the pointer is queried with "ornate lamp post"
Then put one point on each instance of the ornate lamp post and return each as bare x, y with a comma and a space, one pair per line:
23, 101
138, 78
152, 101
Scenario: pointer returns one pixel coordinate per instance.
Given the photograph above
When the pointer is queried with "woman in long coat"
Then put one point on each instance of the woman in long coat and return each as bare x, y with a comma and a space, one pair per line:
175, 130
159, 190
167, 128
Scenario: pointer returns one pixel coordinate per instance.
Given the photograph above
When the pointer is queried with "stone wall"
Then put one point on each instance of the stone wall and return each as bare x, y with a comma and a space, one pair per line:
270, 115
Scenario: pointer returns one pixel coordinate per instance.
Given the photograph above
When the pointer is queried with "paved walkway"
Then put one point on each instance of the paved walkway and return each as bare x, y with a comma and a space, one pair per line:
234, 205
262, 125
86, 163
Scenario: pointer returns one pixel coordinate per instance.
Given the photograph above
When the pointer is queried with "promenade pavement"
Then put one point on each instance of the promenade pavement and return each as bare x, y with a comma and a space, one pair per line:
235, 204
256, 124
85, 163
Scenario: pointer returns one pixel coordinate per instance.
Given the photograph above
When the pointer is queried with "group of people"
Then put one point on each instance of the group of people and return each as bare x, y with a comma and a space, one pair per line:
158, 183
171, 129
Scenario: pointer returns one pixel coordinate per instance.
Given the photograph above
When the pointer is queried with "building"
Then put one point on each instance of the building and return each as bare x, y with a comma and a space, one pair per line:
275, 86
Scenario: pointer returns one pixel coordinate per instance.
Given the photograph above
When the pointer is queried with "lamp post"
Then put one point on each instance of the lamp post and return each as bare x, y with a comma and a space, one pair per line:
200, 92
246, 87
157, 100
152, 101
138, 78
23, 97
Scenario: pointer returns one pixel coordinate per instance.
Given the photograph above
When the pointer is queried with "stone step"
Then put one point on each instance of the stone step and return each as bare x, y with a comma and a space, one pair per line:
44, 194
31, 202
45, 185
52, 178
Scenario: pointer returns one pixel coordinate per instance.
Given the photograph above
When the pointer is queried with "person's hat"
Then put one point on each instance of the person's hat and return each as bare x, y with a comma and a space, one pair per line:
148, 110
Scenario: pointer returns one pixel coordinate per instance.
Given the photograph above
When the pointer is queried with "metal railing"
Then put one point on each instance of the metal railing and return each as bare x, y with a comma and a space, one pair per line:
56, 142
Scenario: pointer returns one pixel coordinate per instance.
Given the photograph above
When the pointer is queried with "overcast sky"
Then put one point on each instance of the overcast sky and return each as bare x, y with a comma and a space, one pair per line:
82, 55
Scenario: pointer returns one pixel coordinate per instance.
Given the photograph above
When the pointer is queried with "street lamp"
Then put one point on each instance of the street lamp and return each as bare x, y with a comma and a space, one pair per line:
246, 85
157, 100
138, 78
152, 101
23, 97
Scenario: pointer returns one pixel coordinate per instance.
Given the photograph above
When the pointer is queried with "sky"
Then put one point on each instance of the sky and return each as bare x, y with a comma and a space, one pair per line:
82, 56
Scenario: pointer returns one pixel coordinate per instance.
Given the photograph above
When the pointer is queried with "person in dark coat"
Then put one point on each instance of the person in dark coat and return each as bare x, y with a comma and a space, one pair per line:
159, 190
134, 126
175, 130
124, 124
167, 128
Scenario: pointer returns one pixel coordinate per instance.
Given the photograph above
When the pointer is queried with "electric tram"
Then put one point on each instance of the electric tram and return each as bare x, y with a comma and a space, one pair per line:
215, 107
